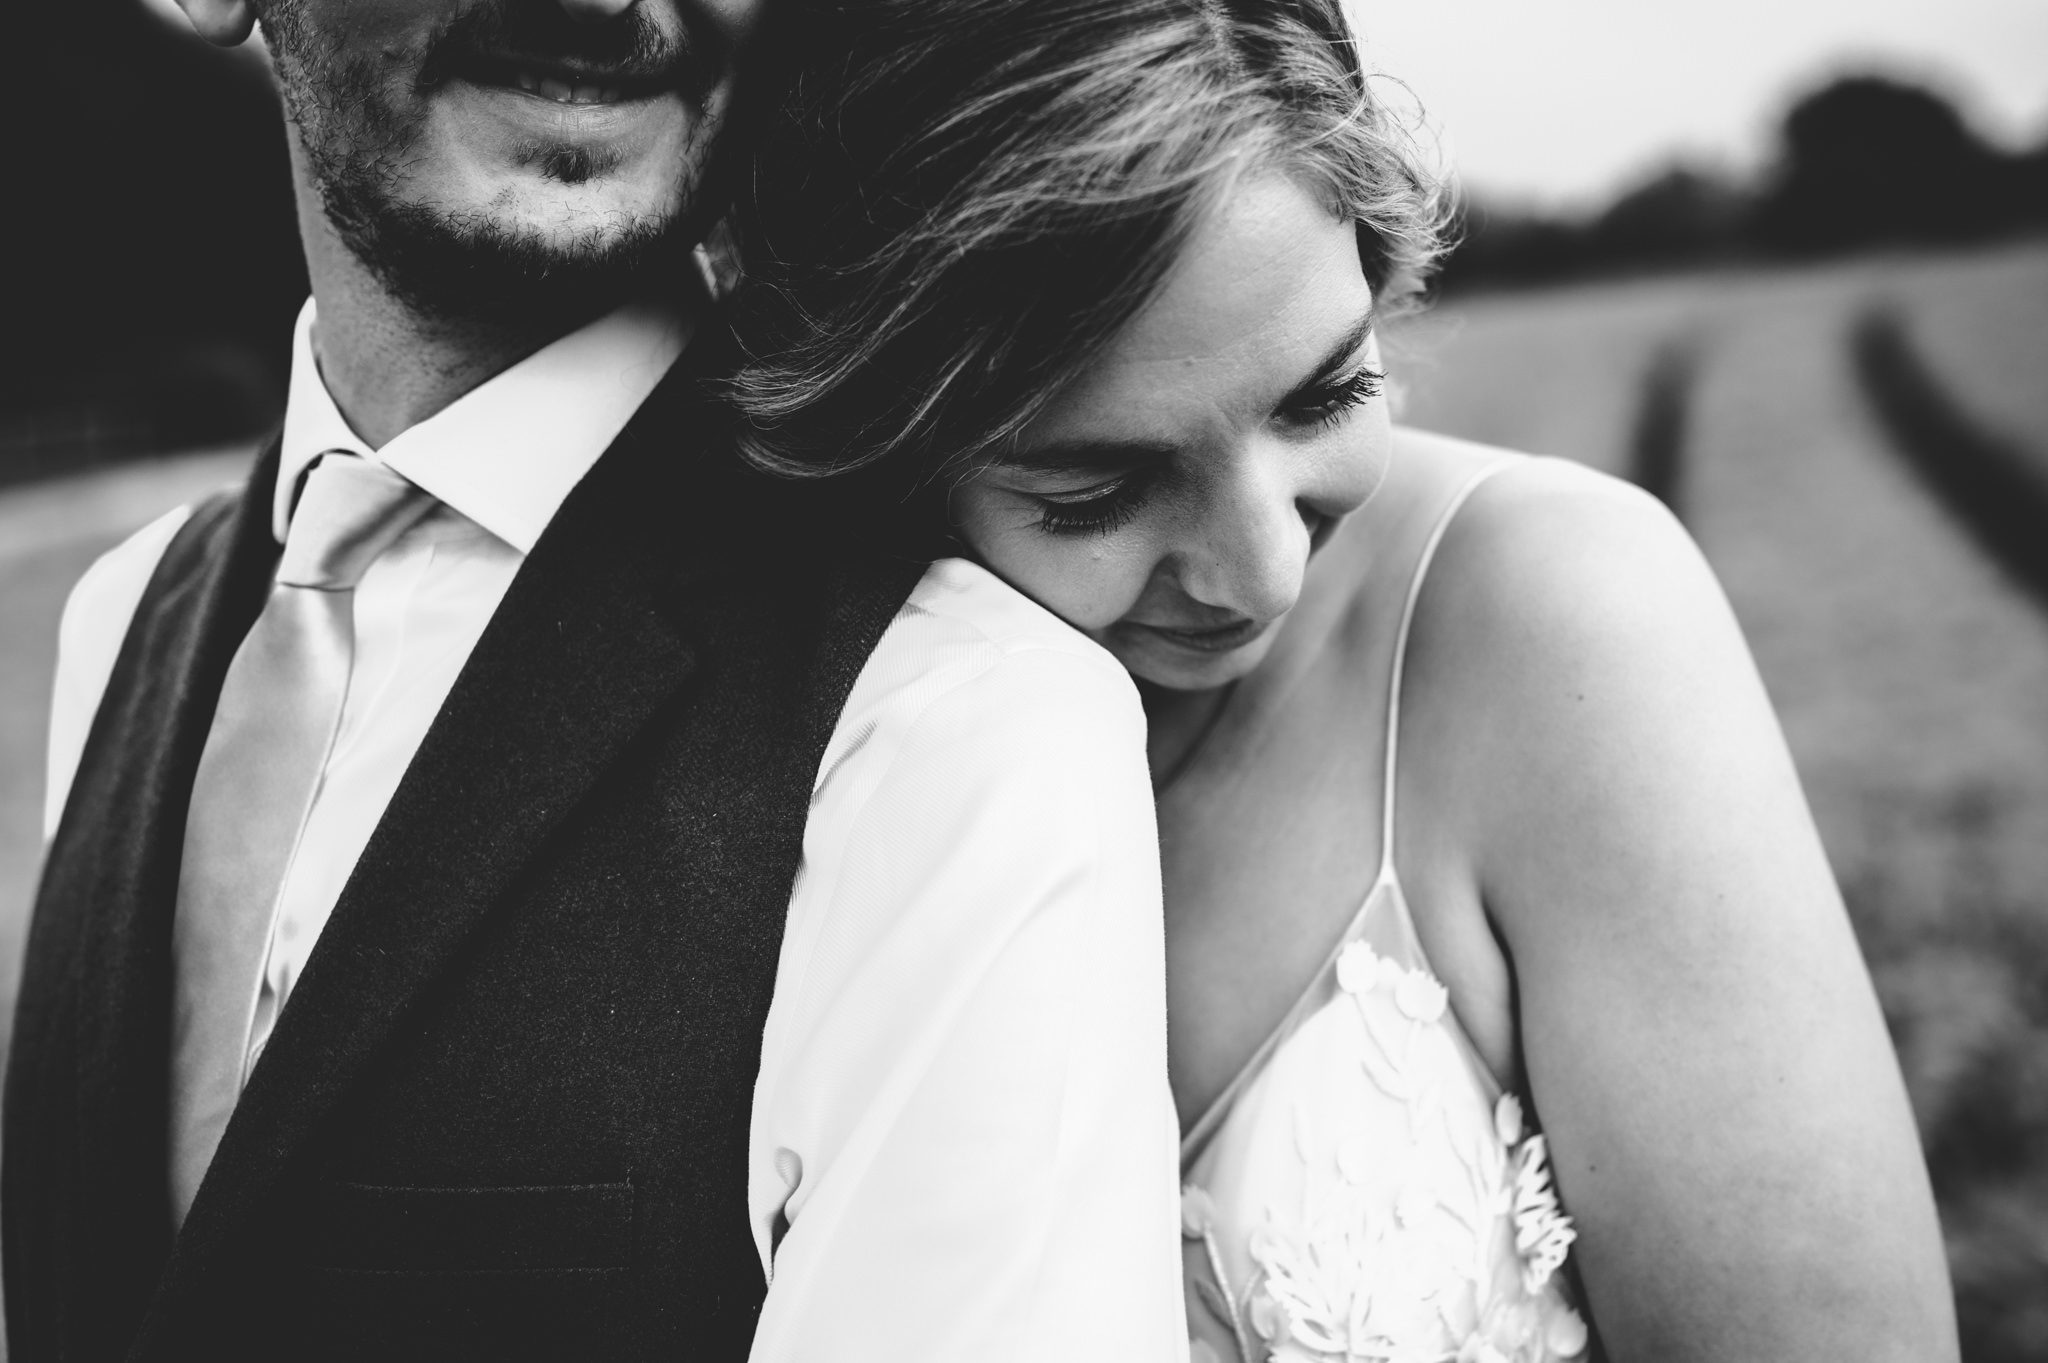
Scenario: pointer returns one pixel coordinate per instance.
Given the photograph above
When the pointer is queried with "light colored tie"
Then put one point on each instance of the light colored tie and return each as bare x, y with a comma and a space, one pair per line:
272, 732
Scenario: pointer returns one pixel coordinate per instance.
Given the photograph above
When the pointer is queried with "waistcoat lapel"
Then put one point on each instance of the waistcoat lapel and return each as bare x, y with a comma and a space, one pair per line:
87, 1201
587, 644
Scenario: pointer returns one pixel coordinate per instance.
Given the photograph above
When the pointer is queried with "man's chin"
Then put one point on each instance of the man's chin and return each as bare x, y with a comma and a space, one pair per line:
511, 153
528, 213
493, 268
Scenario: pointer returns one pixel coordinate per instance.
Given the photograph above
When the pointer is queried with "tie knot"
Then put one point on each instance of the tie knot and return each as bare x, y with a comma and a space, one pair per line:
348, 513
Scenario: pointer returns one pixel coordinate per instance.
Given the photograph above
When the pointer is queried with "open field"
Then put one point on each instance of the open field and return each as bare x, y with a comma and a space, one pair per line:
1910, 669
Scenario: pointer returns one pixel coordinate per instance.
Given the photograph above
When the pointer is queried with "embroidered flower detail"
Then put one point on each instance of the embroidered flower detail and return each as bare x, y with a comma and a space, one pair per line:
1507, 1120
1543, 1233
1288, 1351
1315, 1319
1564, 1332
1477, 1348
1319, 1290
1420, 996
1443, 1248
1355, 1288
1358, 968
1270, 1319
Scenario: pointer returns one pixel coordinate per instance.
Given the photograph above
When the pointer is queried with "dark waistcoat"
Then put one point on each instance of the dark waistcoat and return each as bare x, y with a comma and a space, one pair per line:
504, 1113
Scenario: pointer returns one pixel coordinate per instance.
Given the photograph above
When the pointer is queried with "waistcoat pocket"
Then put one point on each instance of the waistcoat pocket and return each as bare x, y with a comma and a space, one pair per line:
566, 1226
459, 1275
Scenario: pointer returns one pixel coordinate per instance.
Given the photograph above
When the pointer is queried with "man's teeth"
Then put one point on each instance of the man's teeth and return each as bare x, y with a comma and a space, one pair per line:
564, 91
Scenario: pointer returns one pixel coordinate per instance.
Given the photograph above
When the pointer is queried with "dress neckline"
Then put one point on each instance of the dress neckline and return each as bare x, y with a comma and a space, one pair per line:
1317, 995
1312, 997
1386, 884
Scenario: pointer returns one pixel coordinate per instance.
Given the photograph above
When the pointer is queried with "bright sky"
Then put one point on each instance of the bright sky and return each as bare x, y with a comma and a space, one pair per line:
1562, 102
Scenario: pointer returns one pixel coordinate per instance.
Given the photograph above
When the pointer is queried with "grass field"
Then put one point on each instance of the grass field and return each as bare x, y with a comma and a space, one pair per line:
1910, 670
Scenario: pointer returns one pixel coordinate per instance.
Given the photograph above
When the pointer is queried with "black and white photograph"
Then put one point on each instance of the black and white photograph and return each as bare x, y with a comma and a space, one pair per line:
1159, 681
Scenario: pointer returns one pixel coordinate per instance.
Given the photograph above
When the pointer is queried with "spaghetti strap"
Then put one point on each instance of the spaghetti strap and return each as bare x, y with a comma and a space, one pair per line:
1436, 535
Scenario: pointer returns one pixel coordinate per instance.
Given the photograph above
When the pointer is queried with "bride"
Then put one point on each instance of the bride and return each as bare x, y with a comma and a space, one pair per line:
1514, 1013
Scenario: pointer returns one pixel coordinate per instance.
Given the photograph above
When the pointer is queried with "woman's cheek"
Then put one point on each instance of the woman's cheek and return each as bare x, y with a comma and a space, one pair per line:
1100, 580
1090, 581
1070, 577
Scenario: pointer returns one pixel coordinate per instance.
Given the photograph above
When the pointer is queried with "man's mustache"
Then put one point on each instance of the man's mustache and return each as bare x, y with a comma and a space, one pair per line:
632, 48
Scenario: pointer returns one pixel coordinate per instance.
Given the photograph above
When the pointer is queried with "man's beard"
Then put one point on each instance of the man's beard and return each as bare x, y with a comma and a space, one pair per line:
462, 264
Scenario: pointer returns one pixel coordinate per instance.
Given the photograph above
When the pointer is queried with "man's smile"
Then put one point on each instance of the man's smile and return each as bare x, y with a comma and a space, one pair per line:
567, 92
566, 81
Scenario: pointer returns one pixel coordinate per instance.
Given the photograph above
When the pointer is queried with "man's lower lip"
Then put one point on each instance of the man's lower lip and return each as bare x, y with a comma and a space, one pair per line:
1210, 640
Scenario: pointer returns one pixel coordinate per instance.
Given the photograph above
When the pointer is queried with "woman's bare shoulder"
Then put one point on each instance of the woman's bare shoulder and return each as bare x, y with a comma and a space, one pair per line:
1549, 575
1699, 1034
1557, 568
1573, 640
1556, 519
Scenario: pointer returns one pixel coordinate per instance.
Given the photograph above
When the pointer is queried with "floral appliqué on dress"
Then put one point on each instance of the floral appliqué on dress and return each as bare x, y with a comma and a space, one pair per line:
1398, 1254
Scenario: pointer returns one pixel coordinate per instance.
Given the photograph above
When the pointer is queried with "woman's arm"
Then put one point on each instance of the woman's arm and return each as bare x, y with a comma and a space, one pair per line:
1700, 1036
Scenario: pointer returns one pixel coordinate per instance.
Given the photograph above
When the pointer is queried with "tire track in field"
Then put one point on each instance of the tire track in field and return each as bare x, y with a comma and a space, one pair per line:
1988, 480
1657, 434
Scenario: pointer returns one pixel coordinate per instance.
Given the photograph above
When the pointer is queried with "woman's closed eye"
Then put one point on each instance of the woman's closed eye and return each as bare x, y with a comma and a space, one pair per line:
1098, 509
1325, 402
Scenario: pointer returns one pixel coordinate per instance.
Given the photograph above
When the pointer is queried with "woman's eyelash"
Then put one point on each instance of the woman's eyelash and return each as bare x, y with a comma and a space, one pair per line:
1327, 402
1099, 510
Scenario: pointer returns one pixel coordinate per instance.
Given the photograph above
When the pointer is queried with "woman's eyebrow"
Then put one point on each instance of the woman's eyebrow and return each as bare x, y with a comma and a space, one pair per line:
1338, 355
1087, 456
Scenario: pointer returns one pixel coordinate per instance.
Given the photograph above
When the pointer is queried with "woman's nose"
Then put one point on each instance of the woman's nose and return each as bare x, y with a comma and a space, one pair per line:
1250, 549
1261, 523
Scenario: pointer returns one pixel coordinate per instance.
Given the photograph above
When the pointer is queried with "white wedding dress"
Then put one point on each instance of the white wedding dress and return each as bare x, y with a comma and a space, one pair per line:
1364, 1189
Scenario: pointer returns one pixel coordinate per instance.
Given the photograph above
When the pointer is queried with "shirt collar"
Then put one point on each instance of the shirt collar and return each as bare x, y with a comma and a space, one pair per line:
506, 453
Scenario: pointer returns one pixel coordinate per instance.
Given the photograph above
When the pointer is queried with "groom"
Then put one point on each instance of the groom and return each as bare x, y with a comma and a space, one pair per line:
426, 814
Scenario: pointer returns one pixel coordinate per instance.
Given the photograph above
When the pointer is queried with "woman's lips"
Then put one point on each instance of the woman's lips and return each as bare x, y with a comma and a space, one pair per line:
1212, 639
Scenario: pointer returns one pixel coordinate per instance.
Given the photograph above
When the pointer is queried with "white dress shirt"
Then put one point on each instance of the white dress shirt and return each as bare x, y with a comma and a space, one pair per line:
962, 1142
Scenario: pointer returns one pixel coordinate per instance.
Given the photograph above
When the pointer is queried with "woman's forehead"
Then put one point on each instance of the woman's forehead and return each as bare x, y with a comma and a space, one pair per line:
1266, 284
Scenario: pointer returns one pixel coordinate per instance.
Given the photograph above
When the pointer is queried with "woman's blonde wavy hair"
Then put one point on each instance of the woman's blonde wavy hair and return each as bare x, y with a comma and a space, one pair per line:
955, 203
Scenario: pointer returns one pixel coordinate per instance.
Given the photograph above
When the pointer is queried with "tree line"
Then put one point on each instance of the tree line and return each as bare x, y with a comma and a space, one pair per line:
1866, 161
